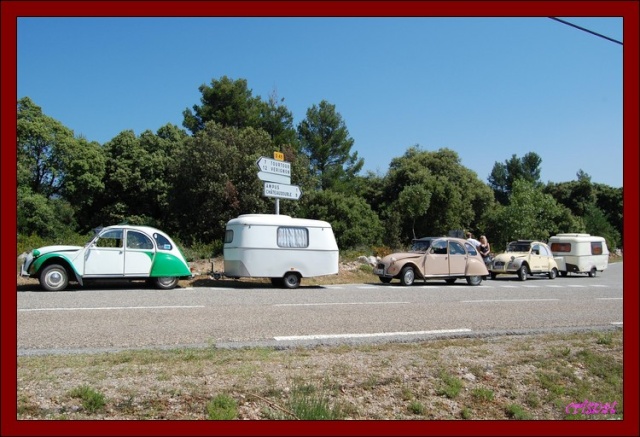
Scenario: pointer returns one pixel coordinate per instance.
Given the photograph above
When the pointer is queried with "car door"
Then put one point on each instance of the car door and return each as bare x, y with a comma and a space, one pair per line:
105, 256
139, 254
535, 258
545, 258
457, 259
436, 260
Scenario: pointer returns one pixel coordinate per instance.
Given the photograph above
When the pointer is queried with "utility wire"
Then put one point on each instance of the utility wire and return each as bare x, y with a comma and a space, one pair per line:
586, 30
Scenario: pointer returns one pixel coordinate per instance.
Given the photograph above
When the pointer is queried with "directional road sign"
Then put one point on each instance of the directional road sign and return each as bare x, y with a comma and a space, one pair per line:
271, 177
269, 165
282, 191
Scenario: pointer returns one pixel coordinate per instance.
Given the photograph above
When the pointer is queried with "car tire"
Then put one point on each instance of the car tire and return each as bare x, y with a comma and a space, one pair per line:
474, 280
450, 281
291, 280
553, 273
385, 280
54, 277
407, 276
493, 275
523, 272
166, 282
592, 272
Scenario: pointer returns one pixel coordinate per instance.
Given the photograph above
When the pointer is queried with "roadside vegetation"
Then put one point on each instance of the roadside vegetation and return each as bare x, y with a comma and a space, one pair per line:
528, 377
190, 180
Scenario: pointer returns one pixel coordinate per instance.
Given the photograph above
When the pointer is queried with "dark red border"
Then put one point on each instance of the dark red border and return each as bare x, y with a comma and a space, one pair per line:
13, 9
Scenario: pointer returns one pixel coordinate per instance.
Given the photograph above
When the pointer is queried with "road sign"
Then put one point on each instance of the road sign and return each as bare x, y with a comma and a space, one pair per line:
282, 191
278, 156
269, 165
271, 177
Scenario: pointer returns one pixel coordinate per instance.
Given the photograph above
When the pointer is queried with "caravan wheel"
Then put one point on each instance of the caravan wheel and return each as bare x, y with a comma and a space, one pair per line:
292, 280
592, 272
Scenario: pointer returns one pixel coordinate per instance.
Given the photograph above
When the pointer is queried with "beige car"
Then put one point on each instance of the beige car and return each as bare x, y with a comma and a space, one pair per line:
525, 258
444, 258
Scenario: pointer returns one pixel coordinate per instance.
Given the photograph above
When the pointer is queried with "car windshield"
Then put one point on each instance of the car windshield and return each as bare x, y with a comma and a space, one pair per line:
518, 247
420, 245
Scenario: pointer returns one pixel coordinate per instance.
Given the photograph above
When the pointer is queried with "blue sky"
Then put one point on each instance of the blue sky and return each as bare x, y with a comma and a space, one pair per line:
487, 88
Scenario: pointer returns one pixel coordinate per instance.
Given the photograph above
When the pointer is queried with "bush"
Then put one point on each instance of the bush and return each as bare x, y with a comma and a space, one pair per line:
222, 407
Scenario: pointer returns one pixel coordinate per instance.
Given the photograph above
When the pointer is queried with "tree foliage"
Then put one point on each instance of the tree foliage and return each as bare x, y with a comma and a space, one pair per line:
530, 215
191, 185
352, 220
503, 175
214, 179
434, 193
324, 138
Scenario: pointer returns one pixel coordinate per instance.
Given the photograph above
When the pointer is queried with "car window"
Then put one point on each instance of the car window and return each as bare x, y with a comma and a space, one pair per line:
456, 248
518, 247
544, 251
112, 238
470, 248
137, 240
420, 245
439, 247
162, 242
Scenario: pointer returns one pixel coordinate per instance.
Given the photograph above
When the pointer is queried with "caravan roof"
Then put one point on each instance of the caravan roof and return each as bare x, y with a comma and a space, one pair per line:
276, 219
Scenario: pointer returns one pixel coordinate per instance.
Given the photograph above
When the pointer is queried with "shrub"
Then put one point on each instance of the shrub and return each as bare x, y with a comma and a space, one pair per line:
222, 407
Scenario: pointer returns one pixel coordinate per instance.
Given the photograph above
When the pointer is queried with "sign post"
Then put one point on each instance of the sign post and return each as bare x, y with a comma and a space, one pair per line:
276, 175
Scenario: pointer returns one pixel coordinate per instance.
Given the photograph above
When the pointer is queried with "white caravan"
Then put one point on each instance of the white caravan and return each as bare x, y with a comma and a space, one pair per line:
279, 247
579, 253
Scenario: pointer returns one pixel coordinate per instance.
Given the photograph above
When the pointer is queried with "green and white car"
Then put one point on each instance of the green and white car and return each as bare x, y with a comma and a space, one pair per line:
115, 252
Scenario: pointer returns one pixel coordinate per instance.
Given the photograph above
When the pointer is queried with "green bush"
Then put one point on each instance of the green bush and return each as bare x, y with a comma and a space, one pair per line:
222, 407
92, 400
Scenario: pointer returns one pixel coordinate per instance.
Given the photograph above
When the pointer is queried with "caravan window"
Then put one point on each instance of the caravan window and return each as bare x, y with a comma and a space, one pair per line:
596, 248
561, 247
293, 237
228, 236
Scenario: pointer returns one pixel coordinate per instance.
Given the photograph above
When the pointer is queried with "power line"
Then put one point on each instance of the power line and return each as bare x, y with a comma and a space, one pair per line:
586, 30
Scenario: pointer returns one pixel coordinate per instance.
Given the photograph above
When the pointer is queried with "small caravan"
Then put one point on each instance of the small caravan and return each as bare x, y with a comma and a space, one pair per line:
579, 253
279, 247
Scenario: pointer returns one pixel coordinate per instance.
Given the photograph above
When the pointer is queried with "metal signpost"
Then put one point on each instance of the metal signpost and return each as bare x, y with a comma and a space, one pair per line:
276, 174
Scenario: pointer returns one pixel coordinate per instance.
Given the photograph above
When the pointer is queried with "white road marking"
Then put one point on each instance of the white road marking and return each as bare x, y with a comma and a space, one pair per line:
616, 323
508, 300
367, 287
335, 303
110, 308
608, 298
376, 334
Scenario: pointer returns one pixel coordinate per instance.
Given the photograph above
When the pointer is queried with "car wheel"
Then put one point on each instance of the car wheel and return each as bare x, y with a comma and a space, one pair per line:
592, 272
493, 275
523, 272
474, 280
553, 273
54, 278
407, 276
385, 280
450, 280
166, 282
291, 280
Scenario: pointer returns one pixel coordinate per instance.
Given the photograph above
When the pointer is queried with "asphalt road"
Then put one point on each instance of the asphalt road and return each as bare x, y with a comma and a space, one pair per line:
98, 319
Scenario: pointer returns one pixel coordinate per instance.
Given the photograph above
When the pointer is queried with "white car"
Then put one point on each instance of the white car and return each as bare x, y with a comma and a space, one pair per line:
115, 252
525, 258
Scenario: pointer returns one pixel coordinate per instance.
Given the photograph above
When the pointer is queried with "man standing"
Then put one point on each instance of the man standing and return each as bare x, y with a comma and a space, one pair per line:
475, 243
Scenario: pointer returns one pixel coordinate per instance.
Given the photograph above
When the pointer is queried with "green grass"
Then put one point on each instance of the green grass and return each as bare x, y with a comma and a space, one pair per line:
92, 400
369, 381
222, 407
